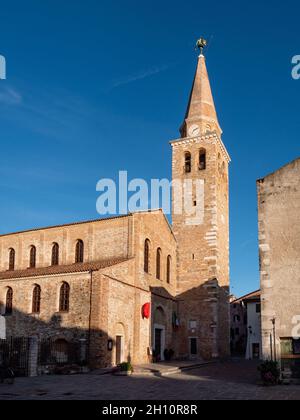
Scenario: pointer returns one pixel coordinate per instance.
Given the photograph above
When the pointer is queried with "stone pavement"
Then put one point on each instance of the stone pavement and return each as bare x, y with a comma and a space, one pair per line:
168, 368
234, 380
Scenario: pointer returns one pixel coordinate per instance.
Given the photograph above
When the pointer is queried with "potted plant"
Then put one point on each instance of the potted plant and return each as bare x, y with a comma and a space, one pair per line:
124, 369
169, 354
270, 373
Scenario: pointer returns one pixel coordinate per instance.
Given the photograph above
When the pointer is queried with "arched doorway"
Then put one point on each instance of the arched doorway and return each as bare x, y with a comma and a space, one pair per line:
159, 334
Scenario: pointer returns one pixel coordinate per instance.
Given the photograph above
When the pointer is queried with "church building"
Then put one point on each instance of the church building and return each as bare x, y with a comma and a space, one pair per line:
134, 288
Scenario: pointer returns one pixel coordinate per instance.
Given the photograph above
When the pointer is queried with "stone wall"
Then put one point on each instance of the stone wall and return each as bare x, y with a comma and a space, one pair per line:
50, 322
279, 243
103, 239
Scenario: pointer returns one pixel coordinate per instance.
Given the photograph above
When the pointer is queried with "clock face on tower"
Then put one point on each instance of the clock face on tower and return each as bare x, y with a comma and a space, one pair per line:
194, 130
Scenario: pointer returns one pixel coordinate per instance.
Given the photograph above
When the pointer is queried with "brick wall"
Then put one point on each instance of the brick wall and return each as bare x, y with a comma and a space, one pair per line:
203, 249
103, 239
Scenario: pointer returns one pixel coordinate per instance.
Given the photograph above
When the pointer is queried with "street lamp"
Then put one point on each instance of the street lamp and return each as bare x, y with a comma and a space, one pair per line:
250, 333
274, 338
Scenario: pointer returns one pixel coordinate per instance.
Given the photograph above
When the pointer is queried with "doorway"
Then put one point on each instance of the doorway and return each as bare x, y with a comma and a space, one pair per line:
119, 349
159, 342
256, 351
193, 348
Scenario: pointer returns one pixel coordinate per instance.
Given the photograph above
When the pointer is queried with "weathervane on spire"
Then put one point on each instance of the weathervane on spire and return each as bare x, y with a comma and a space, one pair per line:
201, 44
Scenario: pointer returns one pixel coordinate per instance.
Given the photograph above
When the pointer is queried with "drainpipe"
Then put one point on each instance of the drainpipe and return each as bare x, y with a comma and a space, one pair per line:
274, 338
90, 316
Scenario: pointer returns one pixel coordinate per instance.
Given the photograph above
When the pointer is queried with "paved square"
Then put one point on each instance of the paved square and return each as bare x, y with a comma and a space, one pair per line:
235, 380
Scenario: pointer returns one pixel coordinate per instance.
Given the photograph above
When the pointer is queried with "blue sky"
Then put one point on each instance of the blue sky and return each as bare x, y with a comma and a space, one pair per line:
94, 87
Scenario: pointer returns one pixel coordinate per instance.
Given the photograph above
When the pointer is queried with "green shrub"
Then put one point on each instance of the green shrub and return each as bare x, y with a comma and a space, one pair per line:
270, 372
126, 367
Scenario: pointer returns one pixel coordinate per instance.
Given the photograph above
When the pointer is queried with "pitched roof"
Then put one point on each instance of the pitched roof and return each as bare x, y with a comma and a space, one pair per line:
250, 296
61, 269
84, 222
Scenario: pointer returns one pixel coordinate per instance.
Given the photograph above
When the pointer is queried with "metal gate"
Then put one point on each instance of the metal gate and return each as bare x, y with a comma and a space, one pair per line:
61, 353
14, 353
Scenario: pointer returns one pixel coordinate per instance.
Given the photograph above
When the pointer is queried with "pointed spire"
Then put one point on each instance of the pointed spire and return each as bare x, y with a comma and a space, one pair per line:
201, 116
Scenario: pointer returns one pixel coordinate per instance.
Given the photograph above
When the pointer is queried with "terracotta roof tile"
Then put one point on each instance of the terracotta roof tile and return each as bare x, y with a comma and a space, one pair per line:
61, 269
251, 296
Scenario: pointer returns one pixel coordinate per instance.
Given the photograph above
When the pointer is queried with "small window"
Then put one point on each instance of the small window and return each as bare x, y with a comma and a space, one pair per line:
9, 301
258, 308
36, 300
12, 259
202, 160
147, 256
158, 264
55, 254
64, 298
188, 163
32, 257
237, 318
193, 325
79, 253
169, 268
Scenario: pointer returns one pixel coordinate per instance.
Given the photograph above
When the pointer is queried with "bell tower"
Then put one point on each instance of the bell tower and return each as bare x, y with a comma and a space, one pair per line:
201, 224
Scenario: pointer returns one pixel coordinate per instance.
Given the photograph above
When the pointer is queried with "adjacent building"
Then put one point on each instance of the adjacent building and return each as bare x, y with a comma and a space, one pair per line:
279, 243
238, 327
246, 326
134, 287
253, 305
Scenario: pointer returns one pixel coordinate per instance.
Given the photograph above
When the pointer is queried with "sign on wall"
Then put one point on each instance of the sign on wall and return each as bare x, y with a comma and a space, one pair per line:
2, 328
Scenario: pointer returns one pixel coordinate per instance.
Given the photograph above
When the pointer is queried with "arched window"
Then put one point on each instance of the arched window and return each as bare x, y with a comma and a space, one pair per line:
169, 267
202, 159
36, 299
64, 298
12, 258
188, 163
158, 264
9, 301
32, 258
147, 256
79, 252
55, 254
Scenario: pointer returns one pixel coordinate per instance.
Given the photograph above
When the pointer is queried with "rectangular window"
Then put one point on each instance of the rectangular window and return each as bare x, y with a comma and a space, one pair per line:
258, 308
193, 325
296, 347
286, 346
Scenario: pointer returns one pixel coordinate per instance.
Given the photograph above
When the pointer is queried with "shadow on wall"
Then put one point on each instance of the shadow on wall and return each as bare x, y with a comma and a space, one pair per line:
203, 313
59, 346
